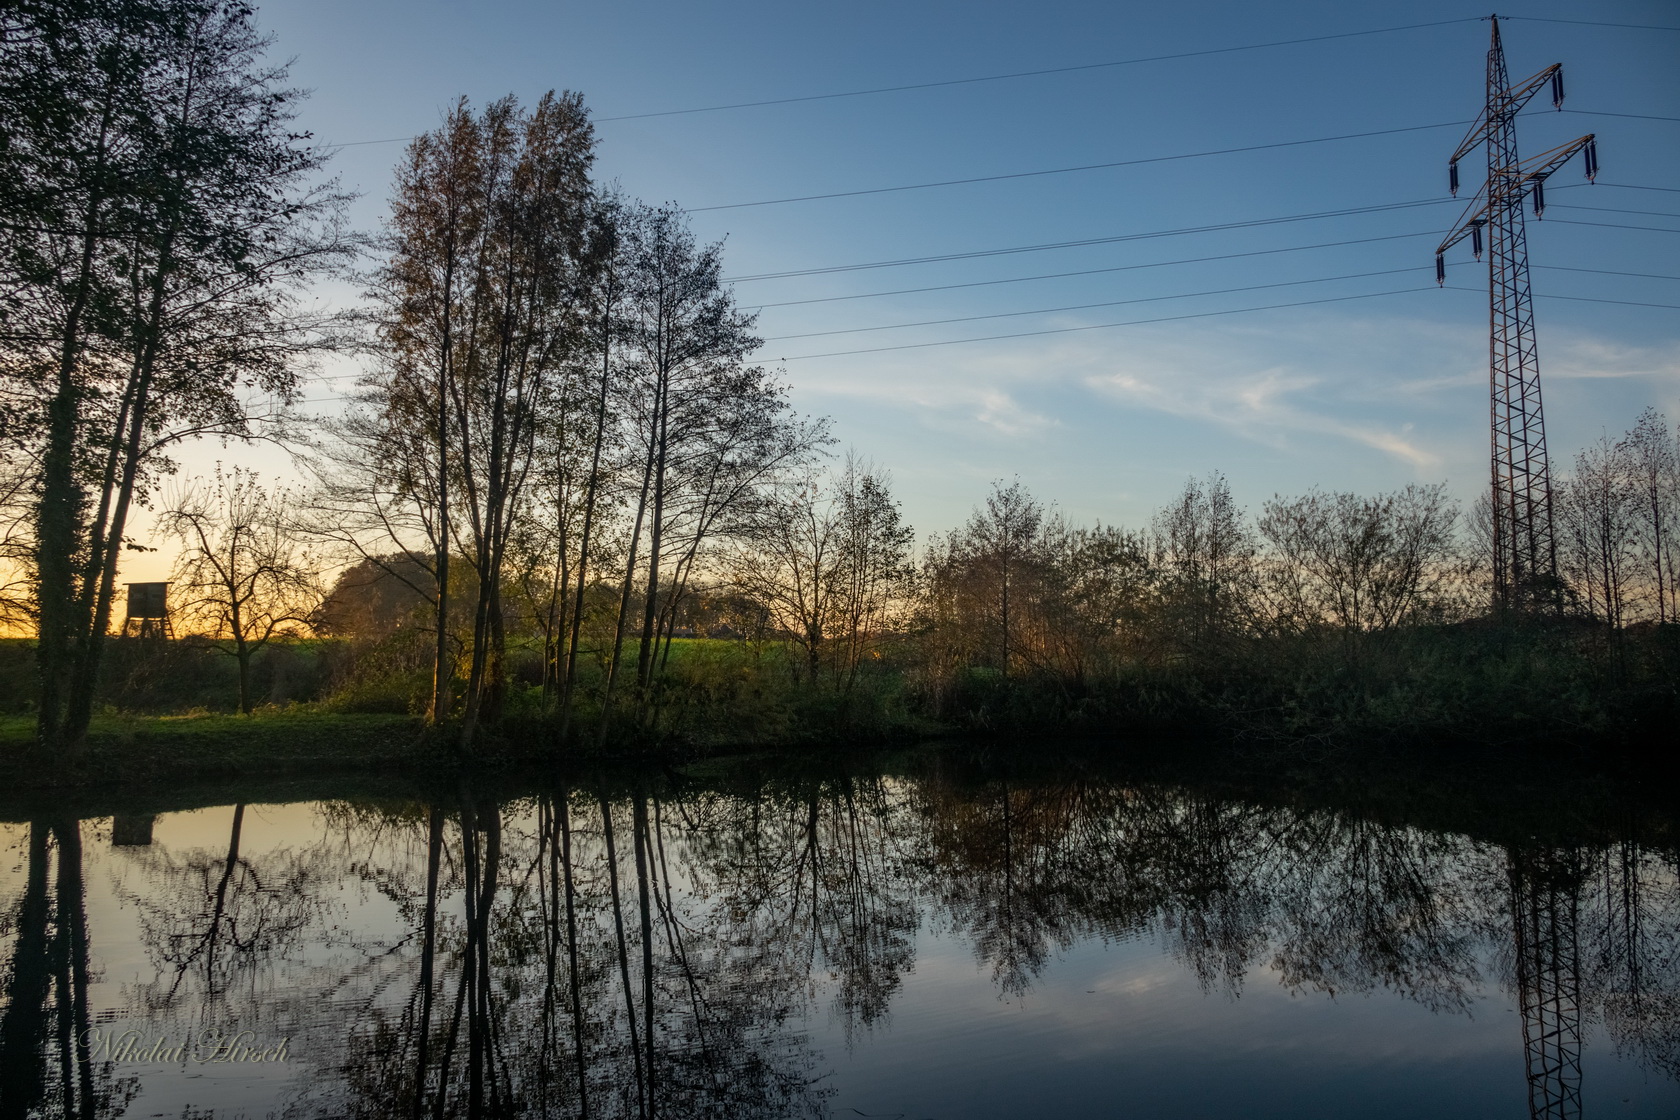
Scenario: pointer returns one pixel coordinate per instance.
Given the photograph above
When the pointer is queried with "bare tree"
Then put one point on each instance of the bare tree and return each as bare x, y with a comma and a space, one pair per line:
830, 561
978, 578
1206, 552
789, 564
1599, 514
689, 341
17, 543
1652, 459
873, 572
1098, 595
707, 430
1359, 564
245, 578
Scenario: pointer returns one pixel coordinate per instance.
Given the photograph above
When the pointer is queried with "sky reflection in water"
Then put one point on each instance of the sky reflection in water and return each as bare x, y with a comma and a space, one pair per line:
923, 945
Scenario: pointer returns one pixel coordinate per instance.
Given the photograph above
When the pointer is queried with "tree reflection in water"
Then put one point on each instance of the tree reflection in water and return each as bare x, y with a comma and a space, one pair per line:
46, 1067
653, 950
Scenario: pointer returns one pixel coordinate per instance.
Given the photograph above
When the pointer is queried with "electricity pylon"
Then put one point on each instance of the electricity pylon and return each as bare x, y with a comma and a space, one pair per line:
1545, 918
1524, 547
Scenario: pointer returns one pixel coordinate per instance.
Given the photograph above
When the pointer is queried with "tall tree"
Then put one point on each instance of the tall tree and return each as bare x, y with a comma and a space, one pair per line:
706, 428
603, 252
1002, 543
479, 321
689, 341
162, 219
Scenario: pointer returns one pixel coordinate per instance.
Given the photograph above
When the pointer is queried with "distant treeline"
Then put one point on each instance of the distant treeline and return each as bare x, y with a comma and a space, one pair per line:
812, 615
558, 470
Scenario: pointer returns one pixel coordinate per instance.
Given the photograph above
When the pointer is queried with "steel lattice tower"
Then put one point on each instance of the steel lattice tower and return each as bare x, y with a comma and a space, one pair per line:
1524, 548
1545, 917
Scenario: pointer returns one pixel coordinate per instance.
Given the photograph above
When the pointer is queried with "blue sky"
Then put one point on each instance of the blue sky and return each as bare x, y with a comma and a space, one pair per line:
1364, 394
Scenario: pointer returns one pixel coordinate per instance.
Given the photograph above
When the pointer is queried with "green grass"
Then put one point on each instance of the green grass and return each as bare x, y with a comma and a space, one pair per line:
134, 748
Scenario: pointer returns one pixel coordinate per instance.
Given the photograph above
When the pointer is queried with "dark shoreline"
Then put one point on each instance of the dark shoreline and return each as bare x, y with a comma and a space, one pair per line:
1498, 794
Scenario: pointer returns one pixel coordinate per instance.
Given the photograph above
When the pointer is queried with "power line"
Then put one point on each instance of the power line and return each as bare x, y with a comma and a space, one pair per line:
1211, 292
1102, 326
1163, 319
1577, 299
986, 78
1038, 73
1089, 306
966, 81
1074, 169
1180, 295
1629, 116
1126, 163
1592, 23
1162, 264
1094, 271
1636, 187
1141, 322
1050, 245
1052, 70
1060, 330
1616, 210
1607, 272
1614, 225
1192, 295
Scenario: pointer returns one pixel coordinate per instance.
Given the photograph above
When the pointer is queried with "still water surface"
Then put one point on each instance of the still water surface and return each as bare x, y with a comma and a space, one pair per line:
916, 943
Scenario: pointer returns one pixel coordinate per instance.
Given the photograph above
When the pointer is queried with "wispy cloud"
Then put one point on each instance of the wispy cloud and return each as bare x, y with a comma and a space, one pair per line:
1587, 357
1409, 392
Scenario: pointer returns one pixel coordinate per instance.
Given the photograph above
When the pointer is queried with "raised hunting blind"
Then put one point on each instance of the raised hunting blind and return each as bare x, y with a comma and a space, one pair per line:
148, 611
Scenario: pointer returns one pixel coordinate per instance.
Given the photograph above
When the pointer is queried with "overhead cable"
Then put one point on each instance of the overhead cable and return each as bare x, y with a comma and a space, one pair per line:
1629, 116
1611, 225
1094, 271
1050, 245
1013, 75
1592, 23
1041, 73
1162, 319
1105, 303
1162, 264
1575, 299
1076, 168
1212, 292
1102, 326
1128, 323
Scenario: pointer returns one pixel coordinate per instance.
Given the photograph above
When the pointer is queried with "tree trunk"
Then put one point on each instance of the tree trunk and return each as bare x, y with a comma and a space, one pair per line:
591, 490
576, 983
623, 953
624, 600
58, 518
442, 669
640, 824
23, 1025
644, 659
428, 957
242, 652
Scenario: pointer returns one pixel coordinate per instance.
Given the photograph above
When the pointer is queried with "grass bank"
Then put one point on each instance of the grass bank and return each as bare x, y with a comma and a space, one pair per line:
1301, 701
147, 749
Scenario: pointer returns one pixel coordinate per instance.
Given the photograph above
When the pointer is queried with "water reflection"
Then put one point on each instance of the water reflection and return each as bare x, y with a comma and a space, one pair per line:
671, 948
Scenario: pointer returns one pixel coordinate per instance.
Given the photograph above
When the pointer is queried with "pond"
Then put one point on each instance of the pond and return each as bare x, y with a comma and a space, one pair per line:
914, 939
